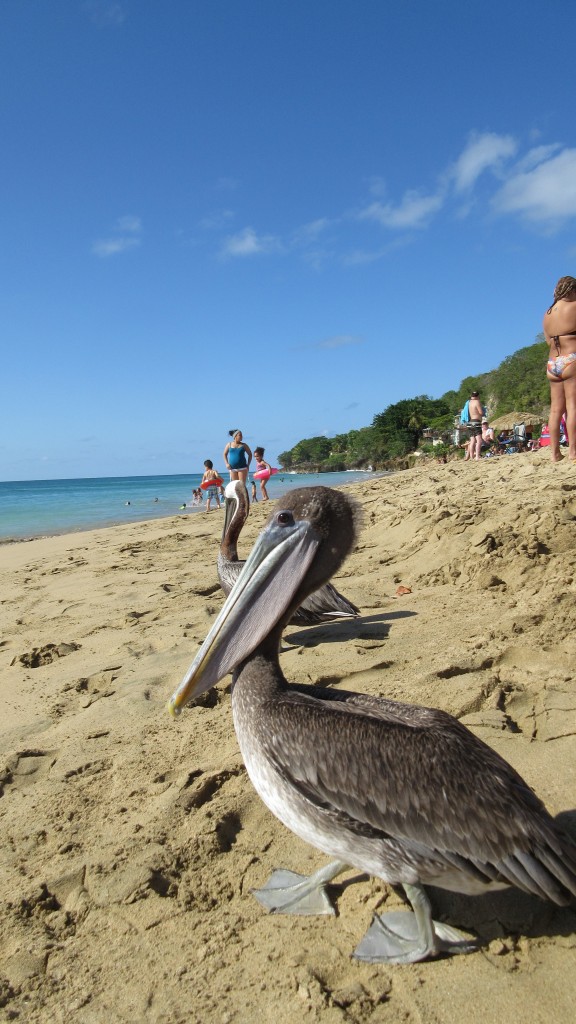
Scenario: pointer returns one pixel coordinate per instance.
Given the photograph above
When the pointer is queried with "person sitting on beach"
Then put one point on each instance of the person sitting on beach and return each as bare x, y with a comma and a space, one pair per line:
211, 492
237, 456
488, 435
261, 465
487, 432
505, 441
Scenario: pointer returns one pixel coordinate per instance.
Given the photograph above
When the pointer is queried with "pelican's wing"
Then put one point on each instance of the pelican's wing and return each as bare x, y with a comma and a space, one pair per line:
322, 605
417, 776
228, 572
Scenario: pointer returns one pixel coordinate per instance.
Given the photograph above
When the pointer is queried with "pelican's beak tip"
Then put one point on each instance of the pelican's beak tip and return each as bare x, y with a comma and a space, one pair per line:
173, 708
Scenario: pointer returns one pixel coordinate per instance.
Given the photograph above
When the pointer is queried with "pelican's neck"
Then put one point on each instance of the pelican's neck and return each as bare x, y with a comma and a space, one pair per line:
232, 529
229, 545
259, 678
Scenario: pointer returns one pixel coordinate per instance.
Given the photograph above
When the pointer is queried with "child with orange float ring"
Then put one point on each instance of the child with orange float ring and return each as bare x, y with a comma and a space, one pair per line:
211, 483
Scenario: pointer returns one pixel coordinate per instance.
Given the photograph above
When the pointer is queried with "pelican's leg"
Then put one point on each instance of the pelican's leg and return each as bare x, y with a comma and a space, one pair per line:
402, 937
286, 892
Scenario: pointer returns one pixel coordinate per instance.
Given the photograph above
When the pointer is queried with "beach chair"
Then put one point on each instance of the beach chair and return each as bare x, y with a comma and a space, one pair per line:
505, 443
519, 435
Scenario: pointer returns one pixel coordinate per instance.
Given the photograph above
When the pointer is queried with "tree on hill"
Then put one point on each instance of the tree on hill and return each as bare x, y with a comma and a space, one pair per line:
401, 424
519, 383
312, 451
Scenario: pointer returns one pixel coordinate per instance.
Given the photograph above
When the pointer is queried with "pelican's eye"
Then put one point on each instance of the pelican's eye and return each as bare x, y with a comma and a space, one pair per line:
285, 519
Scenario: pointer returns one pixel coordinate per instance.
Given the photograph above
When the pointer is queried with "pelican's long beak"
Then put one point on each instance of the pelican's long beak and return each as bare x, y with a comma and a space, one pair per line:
260, 597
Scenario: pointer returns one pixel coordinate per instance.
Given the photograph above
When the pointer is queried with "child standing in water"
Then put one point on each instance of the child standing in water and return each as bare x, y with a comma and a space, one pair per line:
260, 465
212, 491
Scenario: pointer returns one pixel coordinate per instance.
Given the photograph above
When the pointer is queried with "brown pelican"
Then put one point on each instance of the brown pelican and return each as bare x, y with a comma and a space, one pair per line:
324, 604
401, 792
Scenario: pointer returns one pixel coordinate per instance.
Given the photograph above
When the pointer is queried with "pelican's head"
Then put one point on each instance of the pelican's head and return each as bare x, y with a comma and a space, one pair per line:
304, 542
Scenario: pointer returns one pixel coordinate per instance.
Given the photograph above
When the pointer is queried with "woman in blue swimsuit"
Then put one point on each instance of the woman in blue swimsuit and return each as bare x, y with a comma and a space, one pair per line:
560, 332
237, 456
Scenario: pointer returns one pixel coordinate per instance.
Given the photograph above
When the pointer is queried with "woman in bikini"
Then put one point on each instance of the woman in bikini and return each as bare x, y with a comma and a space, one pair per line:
560, 332
237, 456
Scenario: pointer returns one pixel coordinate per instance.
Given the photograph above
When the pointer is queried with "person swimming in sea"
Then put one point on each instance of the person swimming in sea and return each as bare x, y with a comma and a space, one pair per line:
560, 332
237, 456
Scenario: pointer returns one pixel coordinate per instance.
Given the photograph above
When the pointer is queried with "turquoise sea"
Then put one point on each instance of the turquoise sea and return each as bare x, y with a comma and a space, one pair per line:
39, 508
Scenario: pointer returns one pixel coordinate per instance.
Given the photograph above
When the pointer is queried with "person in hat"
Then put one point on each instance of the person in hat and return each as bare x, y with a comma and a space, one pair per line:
488, 435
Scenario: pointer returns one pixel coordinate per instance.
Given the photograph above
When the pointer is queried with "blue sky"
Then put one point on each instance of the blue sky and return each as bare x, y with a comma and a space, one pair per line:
276, 216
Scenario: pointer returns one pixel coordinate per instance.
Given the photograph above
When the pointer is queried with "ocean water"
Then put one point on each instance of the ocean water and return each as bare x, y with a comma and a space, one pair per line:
39, 508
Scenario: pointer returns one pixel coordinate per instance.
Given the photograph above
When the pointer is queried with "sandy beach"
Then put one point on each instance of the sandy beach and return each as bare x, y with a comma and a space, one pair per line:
130, 841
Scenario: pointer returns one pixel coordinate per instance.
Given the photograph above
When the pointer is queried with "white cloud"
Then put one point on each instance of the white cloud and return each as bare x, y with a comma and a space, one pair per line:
317, 258
217, 220
545, 194
129, 223
127, 235
309, 240
536, 156
226, 184
104, 12
487, 151
539, 185
483, 152
332, 342
358, 257
248, 243
111, 246
340, 341
377, 186
310, 232
414, 211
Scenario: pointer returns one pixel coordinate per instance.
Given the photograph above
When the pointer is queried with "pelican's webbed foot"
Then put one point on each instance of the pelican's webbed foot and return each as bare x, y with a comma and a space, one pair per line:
287, 892
402, 937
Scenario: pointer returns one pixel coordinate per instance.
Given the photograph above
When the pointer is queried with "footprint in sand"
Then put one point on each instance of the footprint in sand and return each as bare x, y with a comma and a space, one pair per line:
96, 687
199, 787
44, 655
26, 767
91, 688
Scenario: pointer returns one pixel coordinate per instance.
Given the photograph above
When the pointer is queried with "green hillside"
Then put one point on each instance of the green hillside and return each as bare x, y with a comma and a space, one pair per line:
518, 383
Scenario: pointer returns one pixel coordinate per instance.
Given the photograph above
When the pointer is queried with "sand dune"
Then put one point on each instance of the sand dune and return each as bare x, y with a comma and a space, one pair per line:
130, 842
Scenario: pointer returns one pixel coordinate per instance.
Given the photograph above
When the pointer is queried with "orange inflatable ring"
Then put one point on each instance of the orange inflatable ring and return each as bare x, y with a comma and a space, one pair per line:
216, 482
